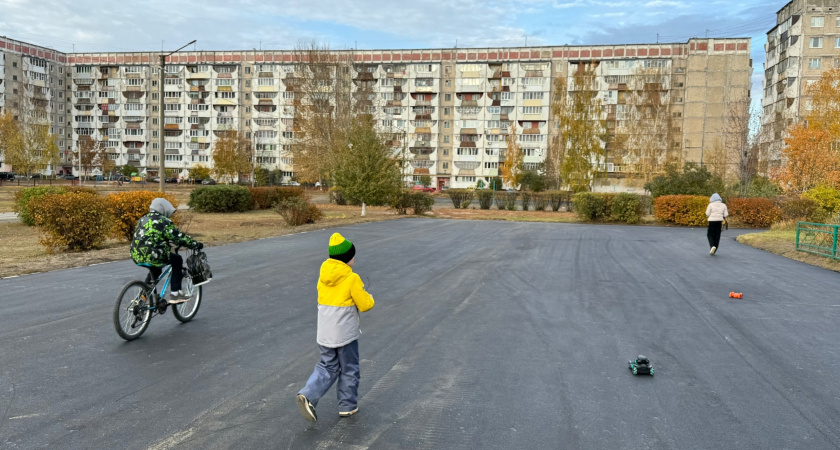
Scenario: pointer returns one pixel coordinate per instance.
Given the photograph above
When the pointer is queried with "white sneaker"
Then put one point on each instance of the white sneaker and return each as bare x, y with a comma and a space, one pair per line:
713, 250
178, 297
306, 409
348, 413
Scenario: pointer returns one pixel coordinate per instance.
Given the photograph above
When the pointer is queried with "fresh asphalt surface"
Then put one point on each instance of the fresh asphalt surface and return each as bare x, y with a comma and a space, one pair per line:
485, 335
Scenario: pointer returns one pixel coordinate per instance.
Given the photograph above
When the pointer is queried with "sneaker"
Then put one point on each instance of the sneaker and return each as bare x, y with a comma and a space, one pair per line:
178, 297
306, 409
713, 250
348, 413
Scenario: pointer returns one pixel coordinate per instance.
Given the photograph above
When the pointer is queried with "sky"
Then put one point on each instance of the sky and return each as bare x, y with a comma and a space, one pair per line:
101, 26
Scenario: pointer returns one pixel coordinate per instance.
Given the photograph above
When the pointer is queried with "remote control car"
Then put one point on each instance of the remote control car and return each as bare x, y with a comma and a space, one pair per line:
641, 365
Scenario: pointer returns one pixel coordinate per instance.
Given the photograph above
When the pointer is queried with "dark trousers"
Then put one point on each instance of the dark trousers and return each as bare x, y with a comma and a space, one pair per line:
714, 234
177, 263
337, 364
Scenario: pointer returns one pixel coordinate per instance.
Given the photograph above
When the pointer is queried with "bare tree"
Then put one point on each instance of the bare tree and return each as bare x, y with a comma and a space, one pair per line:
91, 154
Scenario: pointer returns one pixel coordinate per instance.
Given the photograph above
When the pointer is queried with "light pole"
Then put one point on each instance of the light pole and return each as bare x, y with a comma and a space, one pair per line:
162, 170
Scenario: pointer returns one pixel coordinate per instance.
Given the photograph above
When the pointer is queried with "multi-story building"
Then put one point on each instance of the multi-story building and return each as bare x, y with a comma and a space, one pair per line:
451, 109
32, 87
804, 43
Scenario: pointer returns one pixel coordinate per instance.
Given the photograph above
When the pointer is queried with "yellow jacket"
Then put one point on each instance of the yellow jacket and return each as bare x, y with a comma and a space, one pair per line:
341, 296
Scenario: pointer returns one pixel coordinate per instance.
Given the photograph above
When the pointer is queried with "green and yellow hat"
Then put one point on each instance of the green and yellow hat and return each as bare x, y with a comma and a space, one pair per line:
341, 249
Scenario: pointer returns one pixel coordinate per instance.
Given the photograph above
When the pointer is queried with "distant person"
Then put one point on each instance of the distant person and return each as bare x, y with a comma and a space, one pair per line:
151, 246
341, 296
717, 212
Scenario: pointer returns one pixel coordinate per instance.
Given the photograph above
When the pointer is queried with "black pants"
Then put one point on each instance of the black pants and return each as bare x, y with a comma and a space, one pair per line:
177, 263
714, 234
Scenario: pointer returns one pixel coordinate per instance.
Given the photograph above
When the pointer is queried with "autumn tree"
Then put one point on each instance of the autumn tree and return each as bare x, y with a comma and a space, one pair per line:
511, 167
231, 155
366, 171
200, 172
578, 146
91, 154
810, 160
9, 136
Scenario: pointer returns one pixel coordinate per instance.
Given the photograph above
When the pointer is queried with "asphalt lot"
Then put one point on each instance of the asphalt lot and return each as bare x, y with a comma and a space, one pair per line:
485, 335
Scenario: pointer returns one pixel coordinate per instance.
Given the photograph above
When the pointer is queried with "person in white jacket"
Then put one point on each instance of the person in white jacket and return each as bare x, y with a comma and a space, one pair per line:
717, 212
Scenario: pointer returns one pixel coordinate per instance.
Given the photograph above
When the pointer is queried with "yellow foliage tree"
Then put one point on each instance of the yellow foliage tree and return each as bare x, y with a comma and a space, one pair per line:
231, 155
810, 160
511, 167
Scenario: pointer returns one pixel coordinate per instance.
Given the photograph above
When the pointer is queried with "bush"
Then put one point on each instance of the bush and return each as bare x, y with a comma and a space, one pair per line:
506, 200
128, 207
23, 196
461, 198
220, 199
533, 181
485, 199
401, 201
801, 209
827, 198
298, 211
266, 197
337, 196
76, 220
540, 201
556, 198
763, 187
527, 198
755, 212
626, 208
688, 210
421, 202
590, 206
693, 180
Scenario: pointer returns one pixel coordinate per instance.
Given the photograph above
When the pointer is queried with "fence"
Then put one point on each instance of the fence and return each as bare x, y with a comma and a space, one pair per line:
817, 238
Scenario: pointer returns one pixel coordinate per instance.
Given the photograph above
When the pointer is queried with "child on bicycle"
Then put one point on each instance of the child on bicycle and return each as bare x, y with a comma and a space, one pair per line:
341, 296
152, 241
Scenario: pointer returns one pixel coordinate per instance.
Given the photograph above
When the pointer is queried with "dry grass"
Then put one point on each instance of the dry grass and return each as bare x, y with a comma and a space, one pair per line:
22, 254
783, 242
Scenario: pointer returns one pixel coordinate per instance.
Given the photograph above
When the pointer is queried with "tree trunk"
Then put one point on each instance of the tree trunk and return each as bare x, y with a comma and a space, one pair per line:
363, 209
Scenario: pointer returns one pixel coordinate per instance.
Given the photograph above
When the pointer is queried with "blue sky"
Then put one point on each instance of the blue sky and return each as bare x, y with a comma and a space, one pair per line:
228, 25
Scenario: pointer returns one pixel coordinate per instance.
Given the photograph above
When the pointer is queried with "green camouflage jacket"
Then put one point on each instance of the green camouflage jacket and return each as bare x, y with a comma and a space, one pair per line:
152, 238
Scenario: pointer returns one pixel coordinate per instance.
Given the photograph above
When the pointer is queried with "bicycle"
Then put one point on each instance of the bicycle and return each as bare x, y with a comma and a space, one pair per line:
139, 301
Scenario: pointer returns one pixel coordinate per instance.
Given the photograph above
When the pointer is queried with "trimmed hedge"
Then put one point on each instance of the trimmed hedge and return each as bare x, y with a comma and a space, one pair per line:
76, 220
805, 209
128, 207
556, 199
688, 210
755, 212
540, 201
298, 211
627, 208
23, 196
591, 206
461, 198
420, 202
507, 200
266, 197
220, 199
607, 207
527, 199
485, 198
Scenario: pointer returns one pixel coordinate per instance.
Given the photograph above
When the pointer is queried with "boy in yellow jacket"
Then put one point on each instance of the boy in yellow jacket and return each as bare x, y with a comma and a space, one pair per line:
341, 296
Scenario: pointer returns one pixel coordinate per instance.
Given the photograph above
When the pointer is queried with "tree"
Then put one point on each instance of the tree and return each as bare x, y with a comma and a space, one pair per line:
579, 145
645, 133
810, 160
91, 154
533, 181
511, 167
10, 138
200, 172
366, 171
127, 170
425, 180
693, 180
231, 155
36, 148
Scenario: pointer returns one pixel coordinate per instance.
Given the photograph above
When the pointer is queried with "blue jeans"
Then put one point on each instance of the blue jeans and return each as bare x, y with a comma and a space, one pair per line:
340, 364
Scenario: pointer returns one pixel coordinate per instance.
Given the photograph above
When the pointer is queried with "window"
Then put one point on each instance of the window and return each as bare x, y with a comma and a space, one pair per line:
531, 152
172, 82
223, 81
134, 81
465, 179
447, 97
225, 94
172, 107
491, 151
247, 70
507, 96
445, 111
491, 165
532, 138
531, 109
814, 63
837, 42
265, 81
171, 94
494, 110
816, 42
446, 141
133, 69
532, 95
817, 22
467, 151
79, 69
448, 83
446, 125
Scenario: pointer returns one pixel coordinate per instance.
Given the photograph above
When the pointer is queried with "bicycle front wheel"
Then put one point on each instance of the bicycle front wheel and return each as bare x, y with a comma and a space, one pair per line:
184, 312
132, 312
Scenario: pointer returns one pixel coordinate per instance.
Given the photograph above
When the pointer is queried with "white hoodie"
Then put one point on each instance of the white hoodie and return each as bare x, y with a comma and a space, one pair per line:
717, 210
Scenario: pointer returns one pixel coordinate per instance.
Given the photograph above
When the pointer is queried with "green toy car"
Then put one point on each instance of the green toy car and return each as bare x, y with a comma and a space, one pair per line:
641, 366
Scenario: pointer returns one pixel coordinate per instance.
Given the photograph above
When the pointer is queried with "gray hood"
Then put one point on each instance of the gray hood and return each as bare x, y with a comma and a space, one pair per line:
715, 198
162, 206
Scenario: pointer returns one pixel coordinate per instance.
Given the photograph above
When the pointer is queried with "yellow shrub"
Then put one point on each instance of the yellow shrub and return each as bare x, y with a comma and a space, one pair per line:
78, 221
128, 207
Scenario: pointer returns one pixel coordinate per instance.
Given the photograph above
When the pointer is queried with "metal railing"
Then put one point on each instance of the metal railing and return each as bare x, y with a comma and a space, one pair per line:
817, 238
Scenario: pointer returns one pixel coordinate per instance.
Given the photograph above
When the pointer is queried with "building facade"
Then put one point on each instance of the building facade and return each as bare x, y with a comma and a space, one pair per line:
450, 108
804, 43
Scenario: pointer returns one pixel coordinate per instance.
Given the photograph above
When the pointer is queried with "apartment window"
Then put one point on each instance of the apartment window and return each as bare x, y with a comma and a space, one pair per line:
172, 107
491, 165
814, 63
154, 83
448, 83
837, 42
467, 151
446, 111
446, 152
445, 141
265, 81
817, 22
154, 96
225, 94
837, 22
531, 109
172, 81
507, 96
170, 94
816, 42
447, 97
446, 125
224, 82
531, 152
532, 96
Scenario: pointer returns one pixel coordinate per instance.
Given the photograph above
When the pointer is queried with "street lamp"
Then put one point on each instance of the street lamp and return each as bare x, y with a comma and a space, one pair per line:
162, 170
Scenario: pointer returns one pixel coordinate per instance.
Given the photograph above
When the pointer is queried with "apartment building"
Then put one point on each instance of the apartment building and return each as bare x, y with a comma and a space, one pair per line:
804, 43
450, 108
32, 87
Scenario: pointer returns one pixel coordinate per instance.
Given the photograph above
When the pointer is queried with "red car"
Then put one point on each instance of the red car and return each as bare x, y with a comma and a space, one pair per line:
420, 187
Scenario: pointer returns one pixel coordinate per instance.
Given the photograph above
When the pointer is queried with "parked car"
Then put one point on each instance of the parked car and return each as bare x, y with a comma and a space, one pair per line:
420, 187
208, 181
7, 176
290, 183
70, 177
35, 176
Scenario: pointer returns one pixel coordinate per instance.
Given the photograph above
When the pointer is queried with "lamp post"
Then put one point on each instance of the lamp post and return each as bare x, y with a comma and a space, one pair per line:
162, 170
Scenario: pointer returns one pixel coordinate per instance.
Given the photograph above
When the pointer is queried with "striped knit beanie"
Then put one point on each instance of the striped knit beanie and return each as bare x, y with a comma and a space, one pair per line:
341, 249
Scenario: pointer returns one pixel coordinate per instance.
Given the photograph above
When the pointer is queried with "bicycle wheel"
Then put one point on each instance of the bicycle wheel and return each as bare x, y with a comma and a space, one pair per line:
132, 313
184, 312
